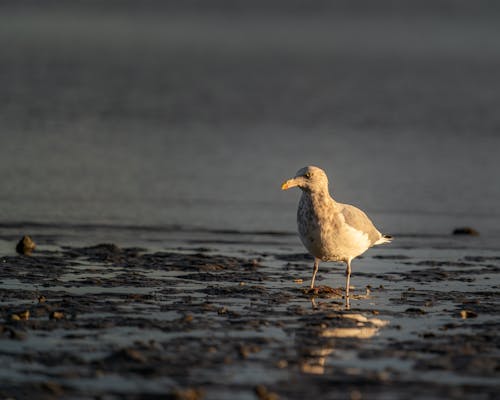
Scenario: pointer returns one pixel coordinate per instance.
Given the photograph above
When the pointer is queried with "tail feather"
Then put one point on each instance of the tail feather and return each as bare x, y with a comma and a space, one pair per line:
384, 239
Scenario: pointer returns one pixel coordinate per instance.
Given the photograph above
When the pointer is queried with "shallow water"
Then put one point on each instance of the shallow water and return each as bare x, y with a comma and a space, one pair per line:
195, 118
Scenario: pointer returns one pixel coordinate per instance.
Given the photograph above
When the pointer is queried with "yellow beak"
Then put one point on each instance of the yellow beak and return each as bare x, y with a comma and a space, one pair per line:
288, 184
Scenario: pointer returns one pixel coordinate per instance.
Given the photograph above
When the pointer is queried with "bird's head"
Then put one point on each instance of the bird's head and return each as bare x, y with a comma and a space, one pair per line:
309, 179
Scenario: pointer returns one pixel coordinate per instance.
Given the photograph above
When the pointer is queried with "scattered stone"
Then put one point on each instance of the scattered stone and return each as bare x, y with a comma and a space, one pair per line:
448, 326
188, 318
324, 291
415, 310
53, 388
25, 246
222, 310
464, 314
188, 394
391, 257
11, 333
465, 231
127, 355
21, 316
264, 394
355, 395
245, 350
56, 315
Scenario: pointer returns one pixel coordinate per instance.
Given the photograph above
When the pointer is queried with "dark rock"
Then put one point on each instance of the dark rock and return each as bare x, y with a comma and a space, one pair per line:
294, 257
324, 291
415, 311
466, 230
188, 394
25, 246
11, 333
53, 388
264, 394
56, 315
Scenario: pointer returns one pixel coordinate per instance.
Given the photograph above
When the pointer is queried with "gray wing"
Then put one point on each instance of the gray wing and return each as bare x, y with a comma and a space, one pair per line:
359, 220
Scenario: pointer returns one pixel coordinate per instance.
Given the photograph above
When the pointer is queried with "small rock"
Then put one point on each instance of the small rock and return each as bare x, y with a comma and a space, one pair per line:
245, 351
464, 314
355, 395
448, 326
25, 246
42, 299
11, 333
128, 355
415, 310
188, 394
324, 291
188, 318
22, 316
222, 310
53, 387
56, 315
466, 230
264, 394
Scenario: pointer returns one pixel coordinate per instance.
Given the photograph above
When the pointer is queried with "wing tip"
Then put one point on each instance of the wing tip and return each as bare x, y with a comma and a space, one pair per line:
384, 239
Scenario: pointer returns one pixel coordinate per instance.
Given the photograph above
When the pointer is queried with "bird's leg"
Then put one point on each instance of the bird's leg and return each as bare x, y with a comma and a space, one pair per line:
316, 266
348, 278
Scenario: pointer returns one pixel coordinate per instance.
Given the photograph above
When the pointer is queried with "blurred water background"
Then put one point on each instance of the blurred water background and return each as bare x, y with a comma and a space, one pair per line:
192, 113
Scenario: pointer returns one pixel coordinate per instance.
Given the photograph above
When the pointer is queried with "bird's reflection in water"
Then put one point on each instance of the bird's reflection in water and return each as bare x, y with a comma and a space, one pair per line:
328, 292
332, 329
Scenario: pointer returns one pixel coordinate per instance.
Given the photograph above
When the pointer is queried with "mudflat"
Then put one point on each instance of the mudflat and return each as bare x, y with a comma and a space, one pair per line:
227, 315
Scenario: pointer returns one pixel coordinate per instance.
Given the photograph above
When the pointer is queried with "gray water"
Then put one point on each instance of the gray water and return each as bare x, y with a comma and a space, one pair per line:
194, 115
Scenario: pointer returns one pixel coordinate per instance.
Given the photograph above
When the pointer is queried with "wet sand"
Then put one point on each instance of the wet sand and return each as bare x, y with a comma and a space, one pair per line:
226, 315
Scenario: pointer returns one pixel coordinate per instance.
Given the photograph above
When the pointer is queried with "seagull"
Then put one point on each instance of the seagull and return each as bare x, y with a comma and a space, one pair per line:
329, 230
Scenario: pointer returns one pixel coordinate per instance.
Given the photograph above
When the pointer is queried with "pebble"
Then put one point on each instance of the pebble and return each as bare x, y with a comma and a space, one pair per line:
56, 315
25, 246
355, 395
22, 316
245, 350
53, 388
264, 394
188, 394
466, 230
464, 314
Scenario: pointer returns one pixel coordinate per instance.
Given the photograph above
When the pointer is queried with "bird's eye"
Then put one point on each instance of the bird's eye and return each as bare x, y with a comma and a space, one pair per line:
308, 175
